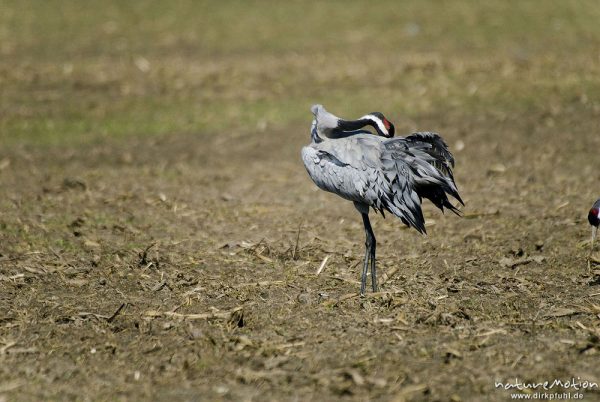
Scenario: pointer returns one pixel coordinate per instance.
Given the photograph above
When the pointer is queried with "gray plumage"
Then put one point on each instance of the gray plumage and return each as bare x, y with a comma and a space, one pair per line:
386, 174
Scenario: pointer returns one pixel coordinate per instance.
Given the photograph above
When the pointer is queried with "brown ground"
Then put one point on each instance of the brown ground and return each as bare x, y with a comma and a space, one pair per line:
198, 224
182, 265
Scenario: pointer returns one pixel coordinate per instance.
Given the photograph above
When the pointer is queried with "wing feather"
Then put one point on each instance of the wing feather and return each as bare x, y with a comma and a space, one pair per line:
431, 162
386, 174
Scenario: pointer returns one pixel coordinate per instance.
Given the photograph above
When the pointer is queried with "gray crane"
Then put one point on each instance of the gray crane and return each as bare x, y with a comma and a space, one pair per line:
374, 170
594, 219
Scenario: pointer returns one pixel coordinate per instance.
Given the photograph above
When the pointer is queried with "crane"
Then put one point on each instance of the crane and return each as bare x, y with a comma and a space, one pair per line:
378, 171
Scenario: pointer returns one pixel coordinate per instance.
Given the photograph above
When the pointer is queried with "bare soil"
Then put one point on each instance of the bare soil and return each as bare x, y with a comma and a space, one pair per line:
160, 238
185, 267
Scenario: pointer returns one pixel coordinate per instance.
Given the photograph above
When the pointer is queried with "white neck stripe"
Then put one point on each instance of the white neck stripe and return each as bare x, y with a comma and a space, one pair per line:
377, 121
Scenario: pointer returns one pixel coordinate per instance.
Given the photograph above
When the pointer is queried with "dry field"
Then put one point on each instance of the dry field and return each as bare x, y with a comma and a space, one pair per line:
159, 237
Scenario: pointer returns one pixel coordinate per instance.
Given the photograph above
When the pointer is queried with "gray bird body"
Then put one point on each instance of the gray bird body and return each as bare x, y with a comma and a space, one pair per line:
387, 174
375, 171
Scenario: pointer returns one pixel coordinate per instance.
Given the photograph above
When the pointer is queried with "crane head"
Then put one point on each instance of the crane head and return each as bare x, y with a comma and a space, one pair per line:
382, 125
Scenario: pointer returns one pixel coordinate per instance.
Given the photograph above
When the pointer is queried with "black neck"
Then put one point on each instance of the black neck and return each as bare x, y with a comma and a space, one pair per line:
352, 125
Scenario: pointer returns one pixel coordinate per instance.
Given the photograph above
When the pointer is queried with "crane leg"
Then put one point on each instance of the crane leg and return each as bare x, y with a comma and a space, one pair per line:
589, 259
370, 246
373, 269
363, 280
594, 231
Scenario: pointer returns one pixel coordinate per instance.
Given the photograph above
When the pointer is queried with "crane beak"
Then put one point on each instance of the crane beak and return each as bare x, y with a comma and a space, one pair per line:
391, 131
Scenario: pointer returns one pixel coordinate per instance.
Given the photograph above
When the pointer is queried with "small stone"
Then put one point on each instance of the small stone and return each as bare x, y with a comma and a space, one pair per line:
221, 389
